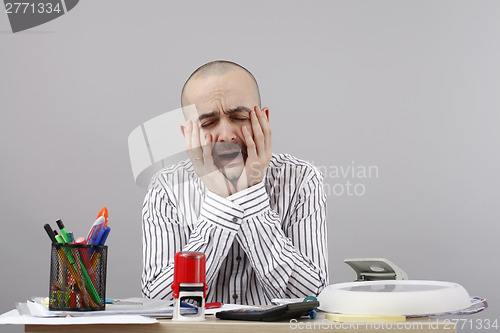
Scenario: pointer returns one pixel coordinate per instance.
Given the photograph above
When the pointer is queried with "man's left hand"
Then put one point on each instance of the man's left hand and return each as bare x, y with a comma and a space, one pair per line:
259, 144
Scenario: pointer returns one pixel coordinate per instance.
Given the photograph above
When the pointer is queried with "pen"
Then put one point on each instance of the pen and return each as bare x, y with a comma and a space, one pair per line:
95, 230
50, 232
95, 255
99, 237
104, 236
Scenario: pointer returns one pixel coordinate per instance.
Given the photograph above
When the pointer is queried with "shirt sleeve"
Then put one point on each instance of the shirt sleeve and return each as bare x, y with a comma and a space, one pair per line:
164, 234
289, 262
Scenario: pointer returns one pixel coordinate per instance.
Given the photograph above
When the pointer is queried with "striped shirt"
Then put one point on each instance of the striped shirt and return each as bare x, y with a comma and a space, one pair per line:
267, 241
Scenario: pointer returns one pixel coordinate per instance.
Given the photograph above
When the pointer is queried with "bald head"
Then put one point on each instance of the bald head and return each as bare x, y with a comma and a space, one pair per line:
218, 68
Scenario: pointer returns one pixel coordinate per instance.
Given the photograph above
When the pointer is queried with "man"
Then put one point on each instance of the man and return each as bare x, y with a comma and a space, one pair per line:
260, 218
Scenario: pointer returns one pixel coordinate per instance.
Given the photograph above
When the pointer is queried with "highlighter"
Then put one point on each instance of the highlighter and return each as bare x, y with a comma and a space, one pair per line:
60, 224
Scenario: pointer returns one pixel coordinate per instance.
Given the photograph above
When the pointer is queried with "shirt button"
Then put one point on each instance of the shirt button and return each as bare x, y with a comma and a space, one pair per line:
235, 296
238, 258
235, 219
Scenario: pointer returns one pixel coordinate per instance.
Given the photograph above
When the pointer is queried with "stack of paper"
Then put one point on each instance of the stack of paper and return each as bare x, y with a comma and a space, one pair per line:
130, 306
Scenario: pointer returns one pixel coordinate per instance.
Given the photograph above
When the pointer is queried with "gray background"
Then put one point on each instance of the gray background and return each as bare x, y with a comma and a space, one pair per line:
409, 86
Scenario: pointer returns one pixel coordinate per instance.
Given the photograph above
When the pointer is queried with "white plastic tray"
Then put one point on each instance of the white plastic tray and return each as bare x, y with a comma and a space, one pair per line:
394, 297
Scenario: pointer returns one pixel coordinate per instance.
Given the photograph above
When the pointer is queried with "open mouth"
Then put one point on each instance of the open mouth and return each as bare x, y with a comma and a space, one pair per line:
227, 158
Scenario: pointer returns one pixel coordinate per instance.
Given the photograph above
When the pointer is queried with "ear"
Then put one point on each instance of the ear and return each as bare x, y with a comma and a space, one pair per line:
266, 110
183, 126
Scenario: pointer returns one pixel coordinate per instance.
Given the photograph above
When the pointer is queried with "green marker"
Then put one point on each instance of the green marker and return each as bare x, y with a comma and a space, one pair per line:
60, 239
60, 224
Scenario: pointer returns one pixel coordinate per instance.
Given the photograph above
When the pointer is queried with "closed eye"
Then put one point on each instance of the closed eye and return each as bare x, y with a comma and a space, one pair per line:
207, 124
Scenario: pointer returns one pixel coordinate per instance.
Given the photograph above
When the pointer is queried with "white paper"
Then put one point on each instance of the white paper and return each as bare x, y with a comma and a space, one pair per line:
227, 307
114, 313
149, 307
13, 317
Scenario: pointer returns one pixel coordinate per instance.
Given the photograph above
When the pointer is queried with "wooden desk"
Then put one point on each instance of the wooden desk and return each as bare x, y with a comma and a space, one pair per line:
212, 324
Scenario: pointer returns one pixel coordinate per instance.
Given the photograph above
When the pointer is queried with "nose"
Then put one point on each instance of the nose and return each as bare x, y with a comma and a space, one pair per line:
226, 132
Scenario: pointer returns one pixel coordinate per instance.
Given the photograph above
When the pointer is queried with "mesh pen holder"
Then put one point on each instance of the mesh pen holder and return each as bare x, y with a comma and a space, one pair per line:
77, 277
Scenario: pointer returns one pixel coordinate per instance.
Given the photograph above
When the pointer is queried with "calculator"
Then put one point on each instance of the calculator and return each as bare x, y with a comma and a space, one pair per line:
281, 312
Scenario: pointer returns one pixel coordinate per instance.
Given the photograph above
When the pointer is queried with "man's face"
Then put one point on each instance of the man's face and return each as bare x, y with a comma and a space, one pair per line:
223, 103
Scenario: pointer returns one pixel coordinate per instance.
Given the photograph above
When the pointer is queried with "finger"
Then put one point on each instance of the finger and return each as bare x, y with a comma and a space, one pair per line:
266, 128
207, 149
195, 143
257, 130
203, 138
196, 152
251, 148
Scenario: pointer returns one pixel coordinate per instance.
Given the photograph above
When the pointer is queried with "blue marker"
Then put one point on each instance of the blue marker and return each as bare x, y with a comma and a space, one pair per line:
99, 237
104, 236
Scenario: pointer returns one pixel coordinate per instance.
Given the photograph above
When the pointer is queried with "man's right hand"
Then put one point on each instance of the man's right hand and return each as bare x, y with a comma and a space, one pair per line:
200, 153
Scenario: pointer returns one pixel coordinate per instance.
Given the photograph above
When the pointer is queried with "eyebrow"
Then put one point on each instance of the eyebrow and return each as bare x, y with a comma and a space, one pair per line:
228, 112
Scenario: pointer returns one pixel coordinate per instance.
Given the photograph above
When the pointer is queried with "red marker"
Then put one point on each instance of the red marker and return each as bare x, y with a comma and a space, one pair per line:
84, 255
214, 305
